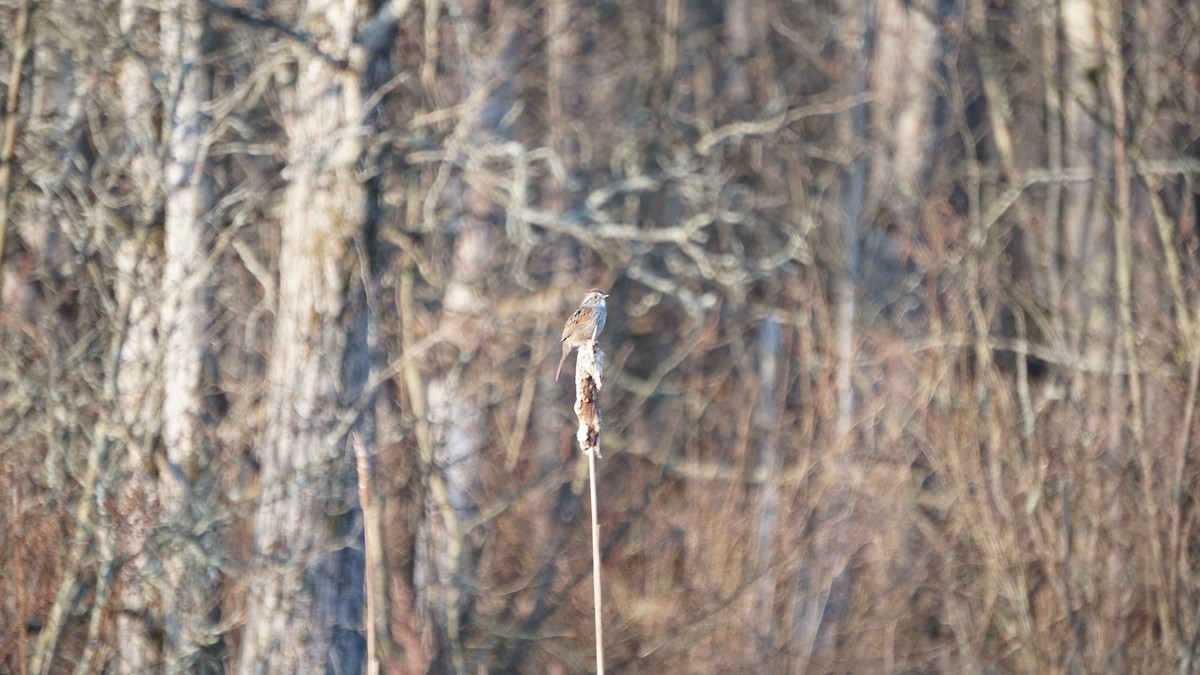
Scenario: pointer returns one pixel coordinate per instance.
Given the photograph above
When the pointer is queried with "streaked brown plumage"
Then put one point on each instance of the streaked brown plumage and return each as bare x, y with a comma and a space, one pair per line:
585, 324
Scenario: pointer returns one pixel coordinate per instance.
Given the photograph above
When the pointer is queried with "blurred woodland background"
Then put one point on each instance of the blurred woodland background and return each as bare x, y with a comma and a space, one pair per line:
903, 340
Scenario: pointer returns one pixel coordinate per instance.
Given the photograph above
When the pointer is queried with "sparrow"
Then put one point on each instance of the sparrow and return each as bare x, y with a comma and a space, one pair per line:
584, 325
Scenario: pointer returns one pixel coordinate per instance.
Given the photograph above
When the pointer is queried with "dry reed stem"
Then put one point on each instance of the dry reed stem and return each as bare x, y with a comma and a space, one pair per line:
589, 371
596, 568
363, 467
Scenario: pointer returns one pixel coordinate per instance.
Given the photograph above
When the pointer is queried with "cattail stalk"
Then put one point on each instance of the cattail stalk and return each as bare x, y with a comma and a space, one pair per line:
589, 370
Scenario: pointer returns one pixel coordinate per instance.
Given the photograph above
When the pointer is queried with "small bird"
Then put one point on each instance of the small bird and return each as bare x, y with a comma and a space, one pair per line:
585, 324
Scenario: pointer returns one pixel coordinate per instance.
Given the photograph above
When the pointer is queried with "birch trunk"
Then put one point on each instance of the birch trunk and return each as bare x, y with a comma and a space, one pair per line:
305, 611
139, 266
185, 486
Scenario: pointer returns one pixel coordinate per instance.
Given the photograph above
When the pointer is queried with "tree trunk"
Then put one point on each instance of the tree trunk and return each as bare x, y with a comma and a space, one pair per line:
901, 73
445, 563
185, 486
305, 611
139, 267
1086, 263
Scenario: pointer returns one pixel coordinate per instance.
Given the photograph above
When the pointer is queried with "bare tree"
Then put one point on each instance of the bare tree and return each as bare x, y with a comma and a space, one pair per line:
186, 482
305, 611
139, 268
444, 569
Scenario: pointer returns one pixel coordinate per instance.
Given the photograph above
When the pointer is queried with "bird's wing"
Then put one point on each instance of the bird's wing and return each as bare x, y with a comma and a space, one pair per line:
571, 323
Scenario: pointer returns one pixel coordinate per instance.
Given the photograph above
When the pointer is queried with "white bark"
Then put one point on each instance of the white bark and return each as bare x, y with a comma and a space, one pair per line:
139, 266
902, 101
293, 606
184, 330
139, 395
1087, 264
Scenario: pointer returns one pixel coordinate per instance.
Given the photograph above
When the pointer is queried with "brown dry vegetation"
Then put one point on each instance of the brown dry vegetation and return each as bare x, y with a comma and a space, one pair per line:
903, 336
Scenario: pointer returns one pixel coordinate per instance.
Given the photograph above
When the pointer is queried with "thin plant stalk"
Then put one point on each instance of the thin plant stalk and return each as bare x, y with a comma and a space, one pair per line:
596, 567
